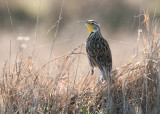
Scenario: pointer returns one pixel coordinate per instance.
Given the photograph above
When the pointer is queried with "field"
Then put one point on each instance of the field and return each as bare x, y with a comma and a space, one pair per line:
63, 84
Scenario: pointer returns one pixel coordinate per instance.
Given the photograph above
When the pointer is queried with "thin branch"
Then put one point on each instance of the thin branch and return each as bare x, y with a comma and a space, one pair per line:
10, 17
37, 21
10, 54
155, 10
60, 16
72, 52
67, 92
54, 25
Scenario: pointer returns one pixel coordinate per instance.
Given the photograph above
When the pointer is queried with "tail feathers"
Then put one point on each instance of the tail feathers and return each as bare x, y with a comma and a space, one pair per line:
106, 74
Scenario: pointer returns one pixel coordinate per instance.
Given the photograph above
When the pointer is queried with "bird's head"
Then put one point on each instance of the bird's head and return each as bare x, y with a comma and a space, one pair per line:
92, 25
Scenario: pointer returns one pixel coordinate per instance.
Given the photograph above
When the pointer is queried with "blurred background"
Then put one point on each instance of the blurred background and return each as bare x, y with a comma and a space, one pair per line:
27, 21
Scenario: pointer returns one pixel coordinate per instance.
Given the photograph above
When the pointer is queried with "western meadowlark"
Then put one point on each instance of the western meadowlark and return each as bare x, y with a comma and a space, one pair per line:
98, 50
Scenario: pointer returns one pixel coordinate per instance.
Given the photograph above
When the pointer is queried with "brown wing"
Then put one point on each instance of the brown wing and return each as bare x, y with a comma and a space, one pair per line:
100, 53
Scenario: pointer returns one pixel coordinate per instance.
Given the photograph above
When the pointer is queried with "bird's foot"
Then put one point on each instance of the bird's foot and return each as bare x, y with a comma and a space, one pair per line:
92, 71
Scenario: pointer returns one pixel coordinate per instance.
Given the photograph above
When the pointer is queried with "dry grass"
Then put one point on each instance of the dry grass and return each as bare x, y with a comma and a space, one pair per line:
26, 89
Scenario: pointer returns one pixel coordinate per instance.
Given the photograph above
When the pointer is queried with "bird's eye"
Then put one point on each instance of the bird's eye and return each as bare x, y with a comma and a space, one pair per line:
96, 23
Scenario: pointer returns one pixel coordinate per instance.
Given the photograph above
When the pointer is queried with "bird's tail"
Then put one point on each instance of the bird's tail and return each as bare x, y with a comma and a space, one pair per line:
105, 71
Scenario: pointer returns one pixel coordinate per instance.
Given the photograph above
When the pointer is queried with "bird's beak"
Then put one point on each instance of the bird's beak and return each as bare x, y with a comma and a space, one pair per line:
85, 22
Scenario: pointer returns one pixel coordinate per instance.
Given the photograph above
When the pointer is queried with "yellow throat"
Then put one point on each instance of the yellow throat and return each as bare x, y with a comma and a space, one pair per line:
90, 28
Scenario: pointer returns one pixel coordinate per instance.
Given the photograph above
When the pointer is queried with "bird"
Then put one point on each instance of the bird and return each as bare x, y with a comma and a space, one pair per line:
98, 50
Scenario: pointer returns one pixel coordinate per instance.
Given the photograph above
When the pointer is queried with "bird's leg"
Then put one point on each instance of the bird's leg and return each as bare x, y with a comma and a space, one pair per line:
92, 71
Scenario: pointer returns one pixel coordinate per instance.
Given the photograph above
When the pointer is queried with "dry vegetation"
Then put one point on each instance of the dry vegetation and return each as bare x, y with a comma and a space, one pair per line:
26, 89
